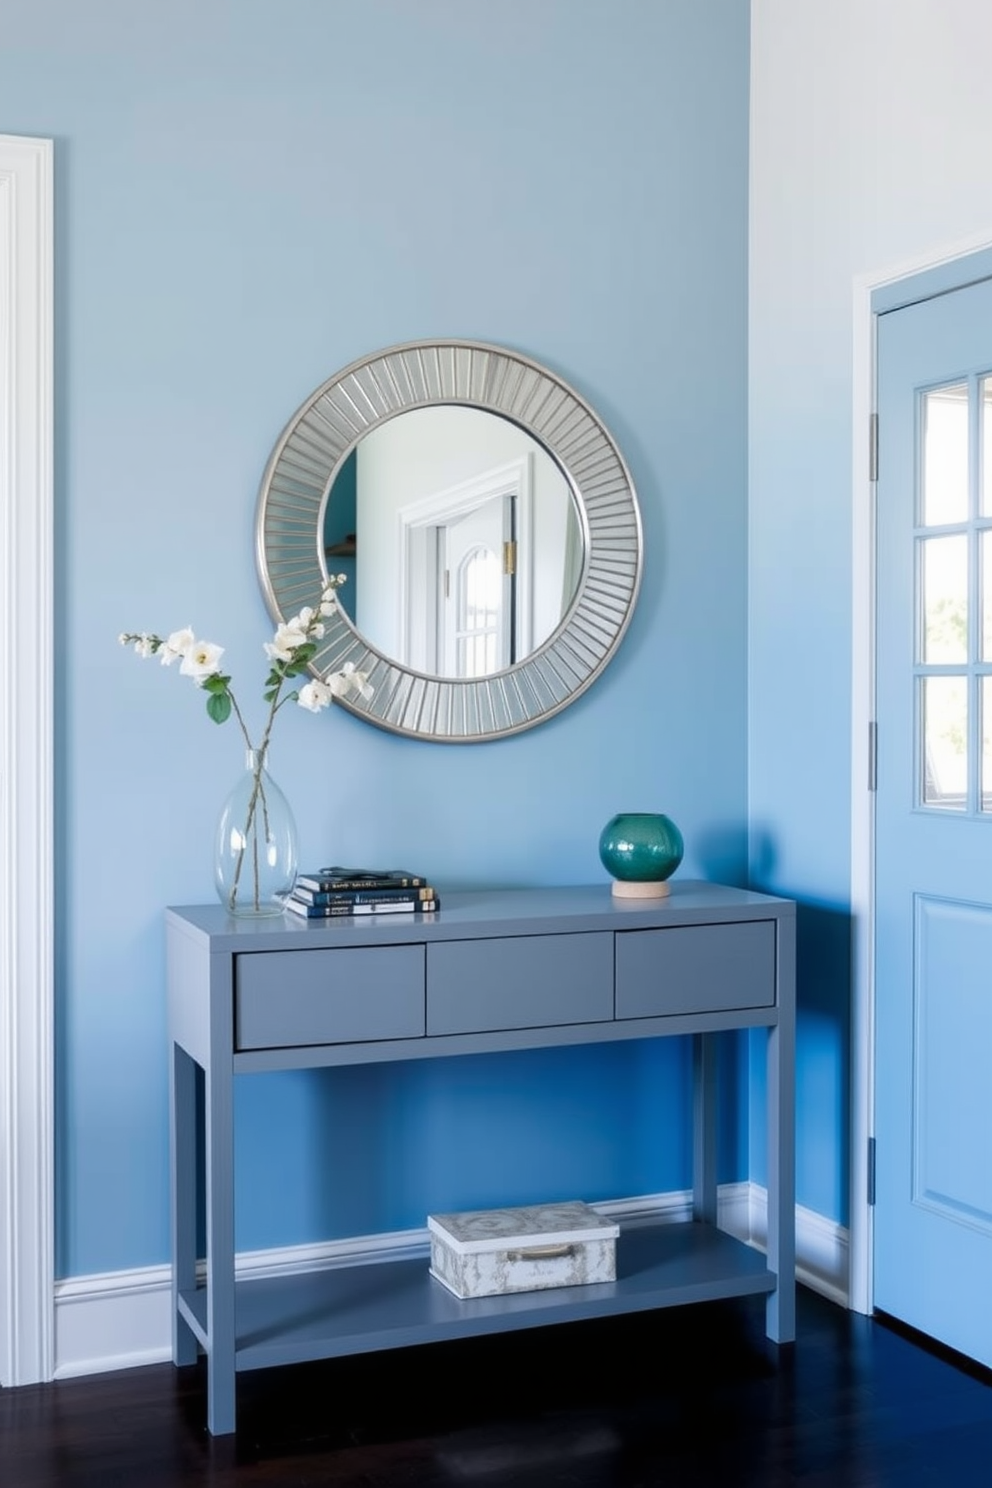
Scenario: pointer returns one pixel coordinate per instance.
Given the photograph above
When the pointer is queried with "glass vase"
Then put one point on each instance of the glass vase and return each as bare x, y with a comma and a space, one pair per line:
255, 858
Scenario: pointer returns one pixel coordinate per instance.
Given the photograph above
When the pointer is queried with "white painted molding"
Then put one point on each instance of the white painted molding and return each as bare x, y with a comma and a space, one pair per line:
862, 800
122, 1319
26, 770
822, 1246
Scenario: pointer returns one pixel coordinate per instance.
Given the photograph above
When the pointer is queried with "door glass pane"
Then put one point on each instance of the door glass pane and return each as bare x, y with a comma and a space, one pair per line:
986, 397
985, 549
944, 573
986, 743
945, 742
945, 455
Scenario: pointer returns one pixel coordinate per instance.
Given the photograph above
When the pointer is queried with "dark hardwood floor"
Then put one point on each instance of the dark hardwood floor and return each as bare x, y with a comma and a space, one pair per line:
688, 1398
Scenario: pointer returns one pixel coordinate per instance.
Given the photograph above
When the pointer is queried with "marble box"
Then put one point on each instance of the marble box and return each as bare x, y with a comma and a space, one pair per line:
489, 1252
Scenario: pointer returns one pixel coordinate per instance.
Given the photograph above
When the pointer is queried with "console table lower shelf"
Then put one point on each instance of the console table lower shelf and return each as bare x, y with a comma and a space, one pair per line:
393, 1304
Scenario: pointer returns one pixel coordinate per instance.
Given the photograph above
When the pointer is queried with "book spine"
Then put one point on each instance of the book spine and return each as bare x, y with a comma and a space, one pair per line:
364, 896
331, 911
351, 885
327, 880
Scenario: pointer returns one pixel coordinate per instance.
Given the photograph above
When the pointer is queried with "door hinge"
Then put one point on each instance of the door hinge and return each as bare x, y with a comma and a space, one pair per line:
873, 755
510, 557
447, 583
871, 1170
873, 447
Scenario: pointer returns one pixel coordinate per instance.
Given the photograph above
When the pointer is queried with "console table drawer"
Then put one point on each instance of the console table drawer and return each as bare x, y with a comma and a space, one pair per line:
531, 981
691, 969
288, 998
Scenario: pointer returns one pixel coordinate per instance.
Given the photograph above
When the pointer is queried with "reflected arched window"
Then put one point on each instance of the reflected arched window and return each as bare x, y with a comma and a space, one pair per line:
479, 592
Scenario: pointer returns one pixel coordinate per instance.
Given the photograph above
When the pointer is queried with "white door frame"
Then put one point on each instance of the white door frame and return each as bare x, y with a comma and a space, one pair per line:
866, 286
27, 1189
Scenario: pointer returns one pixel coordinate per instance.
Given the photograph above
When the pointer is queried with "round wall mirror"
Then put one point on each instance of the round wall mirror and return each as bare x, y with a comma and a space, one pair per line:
486, 525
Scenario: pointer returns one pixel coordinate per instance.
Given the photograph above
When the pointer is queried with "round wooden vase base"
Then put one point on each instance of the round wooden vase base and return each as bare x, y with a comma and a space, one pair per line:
625, 889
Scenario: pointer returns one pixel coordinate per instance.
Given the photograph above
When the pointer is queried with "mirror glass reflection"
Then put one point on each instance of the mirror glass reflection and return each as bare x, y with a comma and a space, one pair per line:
459, 537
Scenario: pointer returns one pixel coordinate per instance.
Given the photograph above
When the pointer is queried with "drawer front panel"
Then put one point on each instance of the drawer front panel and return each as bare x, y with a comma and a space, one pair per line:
695, 969
528, 981
287, 998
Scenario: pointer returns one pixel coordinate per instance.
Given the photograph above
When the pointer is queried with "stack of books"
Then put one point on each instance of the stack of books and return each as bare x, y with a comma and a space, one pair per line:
361, 891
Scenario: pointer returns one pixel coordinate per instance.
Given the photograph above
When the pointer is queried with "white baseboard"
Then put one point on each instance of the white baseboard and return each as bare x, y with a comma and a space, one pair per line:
114, 1321
122, 1319
822, 1247
821, 1244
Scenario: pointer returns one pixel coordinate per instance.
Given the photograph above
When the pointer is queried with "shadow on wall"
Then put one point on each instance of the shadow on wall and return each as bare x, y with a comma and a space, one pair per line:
823, 1059
721, 851
823, 1064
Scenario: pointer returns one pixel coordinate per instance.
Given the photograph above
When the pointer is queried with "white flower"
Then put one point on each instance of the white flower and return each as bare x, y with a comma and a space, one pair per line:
315, 695
329, 598
174, 648
288, 638
200, 660
349, 680
145, 646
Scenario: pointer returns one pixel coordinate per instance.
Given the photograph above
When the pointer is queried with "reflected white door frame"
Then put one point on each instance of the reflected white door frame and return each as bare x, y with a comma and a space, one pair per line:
420, 572
27, 1199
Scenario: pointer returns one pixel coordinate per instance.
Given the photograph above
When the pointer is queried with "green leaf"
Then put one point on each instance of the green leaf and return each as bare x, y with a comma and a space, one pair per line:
219, 706
301, 660
216, 683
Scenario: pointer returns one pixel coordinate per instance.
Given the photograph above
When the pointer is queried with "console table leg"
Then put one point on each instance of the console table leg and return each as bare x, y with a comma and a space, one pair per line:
704, 1189
182, 1095
220, 1250
780, 1316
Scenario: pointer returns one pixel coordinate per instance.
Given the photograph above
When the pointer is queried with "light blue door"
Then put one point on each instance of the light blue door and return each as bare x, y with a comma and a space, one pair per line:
933, 848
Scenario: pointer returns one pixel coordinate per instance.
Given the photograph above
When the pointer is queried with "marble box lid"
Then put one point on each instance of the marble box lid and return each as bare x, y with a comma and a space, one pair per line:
478, 1230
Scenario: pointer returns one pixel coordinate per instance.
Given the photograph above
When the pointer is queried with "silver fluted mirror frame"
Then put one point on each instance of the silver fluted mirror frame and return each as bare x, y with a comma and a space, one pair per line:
289, 524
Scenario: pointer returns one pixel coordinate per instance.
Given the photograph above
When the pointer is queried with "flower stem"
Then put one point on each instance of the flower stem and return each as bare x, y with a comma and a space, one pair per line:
257, 792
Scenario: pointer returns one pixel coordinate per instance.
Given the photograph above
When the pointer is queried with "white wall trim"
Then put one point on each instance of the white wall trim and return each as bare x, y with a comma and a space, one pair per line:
122, 1320
862, 799
822, 1246
862, 712
26, 761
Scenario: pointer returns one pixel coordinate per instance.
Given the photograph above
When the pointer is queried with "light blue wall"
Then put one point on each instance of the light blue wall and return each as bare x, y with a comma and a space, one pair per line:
250, 194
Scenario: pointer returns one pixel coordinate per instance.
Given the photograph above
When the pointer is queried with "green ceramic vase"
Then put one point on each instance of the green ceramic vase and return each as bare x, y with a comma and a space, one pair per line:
641, 847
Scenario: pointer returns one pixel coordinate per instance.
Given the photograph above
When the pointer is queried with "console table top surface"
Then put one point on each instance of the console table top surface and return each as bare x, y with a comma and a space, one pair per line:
466, 913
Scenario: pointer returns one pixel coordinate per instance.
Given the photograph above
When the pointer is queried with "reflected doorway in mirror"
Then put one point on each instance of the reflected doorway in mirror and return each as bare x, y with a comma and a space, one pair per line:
409, 498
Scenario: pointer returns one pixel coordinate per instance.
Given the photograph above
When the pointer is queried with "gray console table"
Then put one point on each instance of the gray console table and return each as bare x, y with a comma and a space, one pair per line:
500, 970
